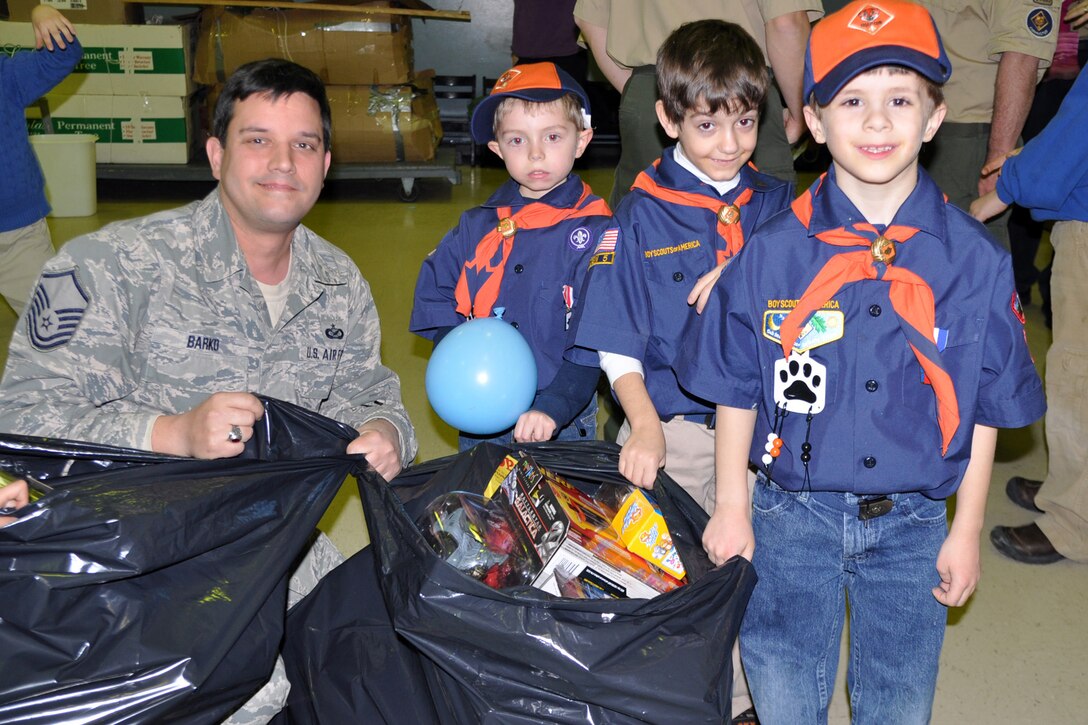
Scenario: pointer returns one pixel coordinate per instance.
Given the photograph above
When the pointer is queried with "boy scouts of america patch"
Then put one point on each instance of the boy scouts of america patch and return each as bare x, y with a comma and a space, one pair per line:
605, 253
55, 309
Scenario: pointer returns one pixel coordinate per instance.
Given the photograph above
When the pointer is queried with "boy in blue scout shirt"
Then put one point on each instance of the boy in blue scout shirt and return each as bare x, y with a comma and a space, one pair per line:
522, 255
863, 349
686, 216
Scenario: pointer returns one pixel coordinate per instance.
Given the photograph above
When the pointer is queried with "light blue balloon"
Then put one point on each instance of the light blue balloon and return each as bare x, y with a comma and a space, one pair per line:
481, 377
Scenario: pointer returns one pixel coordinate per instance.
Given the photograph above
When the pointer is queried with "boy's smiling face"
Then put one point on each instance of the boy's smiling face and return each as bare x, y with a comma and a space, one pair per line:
719, 143
874, 128
538, 143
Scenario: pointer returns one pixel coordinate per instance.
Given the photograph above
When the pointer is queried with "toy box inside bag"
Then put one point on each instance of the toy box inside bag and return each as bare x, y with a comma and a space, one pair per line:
531, 526
581, 555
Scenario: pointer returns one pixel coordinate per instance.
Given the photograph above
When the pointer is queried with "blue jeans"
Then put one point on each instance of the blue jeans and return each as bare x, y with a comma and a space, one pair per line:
582, 428
812, 552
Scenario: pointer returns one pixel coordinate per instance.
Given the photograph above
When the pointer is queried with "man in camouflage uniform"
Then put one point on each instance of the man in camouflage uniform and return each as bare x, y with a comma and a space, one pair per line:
150, 332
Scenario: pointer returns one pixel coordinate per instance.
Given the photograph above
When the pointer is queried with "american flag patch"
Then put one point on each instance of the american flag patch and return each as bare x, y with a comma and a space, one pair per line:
608, 241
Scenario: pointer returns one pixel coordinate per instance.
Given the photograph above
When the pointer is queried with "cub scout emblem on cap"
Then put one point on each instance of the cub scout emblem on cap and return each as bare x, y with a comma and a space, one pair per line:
871, 19
505, 78
56, 309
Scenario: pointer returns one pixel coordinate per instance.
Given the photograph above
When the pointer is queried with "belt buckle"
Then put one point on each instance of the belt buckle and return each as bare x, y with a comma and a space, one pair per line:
875, 507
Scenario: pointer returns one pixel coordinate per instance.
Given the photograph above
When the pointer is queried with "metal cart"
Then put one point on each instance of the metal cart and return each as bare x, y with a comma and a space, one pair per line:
408, 172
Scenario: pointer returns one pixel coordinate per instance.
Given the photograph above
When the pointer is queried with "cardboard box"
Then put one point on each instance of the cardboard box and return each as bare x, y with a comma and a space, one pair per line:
148, 60
643, 531
81, 12
342, 48
572, 537
130, 129
384, 123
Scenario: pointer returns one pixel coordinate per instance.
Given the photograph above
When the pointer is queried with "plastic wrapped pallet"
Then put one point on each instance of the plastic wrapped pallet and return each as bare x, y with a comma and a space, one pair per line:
341, 48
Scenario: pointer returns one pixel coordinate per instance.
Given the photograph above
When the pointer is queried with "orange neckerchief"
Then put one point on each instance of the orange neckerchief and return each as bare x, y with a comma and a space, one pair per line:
535, 215
729, 228
911, 297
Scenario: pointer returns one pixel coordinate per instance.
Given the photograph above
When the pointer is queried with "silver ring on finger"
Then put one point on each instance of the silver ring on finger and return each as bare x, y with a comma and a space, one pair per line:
235, 434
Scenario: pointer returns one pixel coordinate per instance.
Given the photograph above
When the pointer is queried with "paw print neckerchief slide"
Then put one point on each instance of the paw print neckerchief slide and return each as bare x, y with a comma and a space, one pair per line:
911, 298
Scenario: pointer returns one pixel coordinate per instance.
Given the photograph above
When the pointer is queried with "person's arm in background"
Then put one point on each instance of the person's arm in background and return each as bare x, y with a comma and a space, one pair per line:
1014, 90
1077, 17
596, 37
58, 52
787, 36
51, 29
1049, 167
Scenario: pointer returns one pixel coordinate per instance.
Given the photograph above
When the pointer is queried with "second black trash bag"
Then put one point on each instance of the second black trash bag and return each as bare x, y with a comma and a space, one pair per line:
150, 588
523, 656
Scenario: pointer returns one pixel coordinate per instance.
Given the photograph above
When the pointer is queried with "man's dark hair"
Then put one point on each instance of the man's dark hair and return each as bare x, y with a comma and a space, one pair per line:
708, 66
275, 78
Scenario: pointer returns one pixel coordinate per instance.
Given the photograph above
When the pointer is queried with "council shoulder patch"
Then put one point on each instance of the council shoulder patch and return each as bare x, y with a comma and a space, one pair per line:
1040, 22
55, 309
823, 327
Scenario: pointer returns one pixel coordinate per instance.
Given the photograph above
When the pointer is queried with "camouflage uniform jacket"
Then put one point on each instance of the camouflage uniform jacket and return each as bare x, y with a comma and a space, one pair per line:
150, 316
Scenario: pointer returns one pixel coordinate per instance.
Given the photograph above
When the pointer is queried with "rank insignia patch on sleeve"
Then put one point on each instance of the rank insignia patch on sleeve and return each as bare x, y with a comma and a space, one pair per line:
55, 309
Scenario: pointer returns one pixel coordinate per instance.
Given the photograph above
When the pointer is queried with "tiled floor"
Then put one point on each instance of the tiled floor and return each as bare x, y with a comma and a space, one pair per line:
1018, 653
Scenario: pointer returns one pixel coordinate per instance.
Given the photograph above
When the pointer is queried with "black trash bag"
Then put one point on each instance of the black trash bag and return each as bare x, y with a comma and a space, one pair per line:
524, 656
345, 661
152, 588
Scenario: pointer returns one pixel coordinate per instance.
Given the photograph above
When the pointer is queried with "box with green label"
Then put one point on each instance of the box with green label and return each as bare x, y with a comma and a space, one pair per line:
80, 12
130, 129
151, 60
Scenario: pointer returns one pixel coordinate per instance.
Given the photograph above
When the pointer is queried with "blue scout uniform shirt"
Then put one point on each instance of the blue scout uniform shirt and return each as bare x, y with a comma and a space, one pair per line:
877, 433
635, 303
541, 263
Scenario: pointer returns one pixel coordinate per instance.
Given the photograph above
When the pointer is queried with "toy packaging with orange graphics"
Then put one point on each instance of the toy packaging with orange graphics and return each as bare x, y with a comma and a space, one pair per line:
643, 531
582, 554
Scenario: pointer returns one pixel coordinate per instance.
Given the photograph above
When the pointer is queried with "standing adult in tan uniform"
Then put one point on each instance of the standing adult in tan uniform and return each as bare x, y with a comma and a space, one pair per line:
625, 44
999, 50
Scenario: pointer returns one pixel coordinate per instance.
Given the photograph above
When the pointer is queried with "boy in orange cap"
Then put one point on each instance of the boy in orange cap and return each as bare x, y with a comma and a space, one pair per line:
523, 254
862, 351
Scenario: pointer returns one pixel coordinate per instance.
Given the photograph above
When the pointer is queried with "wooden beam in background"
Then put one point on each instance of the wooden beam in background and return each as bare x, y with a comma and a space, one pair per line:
286, 5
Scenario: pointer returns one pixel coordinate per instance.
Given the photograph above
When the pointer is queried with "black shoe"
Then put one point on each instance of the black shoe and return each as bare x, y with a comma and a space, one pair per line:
748, 717
1027, 544
1022, 491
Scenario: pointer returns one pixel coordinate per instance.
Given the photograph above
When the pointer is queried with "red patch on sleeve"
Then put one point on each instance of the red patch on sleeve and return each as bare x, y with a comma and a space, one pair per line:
1017, 308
